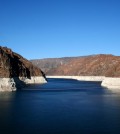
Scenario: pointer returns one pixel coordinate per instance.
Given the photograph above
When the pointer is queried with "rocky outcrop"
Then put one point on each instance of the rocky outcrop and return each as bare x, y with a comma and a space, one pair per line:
111, 83
16, 71
7, 84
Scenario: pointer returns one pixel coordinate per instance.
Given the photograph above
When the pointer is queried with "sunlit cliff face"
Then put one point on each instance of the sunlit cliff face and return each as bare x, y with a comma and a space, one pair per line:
16, 71
14, 65
95, 65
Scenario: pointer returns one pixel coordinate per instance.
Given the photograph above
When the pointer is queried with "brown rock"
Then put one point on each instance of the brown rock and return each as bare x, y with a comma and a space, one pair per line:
14, 65
94, 65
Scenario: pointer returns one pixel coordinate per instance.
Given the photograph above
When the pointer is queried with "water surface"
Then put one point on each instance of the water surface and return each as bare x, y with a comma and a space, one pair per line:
60, 107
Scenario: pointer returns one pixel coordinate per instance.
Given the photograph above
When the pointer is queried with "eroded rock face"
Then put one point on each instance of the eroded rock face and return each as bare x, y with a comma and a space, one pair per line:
13, 65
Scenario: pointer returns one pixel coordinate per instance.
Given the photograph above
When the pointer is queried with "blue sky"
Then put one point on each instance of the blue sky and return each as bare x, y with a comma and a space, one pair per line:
59, 28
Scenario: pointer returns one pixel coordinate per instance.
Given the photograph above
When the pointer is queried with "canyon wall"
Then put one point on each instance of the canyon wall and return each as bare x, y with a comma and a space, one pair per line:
16, 71
87, 68
93, 65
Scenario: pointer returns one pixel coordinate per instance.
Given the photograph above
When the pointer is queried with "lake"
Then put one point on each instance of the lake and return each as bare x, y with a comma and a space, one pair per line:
62, 106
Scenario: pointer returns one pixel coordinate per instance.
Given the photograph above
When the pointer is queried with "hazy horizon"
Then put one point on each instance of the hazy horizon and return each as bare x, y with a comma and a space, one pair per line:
71, 56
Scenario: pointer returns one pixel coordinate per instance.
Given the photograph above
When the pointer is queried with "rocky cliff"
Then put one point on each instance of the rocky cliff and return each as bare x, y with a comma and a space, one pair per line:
94, 65
17, 70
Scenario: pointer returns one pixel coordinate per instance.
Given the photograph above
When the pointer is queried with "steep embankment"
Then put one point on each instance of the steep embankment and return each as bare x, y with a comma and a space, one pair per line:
16, 71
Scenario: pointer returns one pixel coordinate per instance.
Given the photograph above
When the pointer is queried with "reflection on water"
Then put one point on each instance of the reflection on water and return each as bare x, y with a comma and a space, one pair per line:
6, 101
60, 107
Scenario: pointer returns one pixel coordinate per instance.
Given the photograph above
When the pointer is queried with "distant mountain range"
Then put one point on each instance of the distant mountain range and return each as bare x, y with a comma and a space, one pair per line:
95, 65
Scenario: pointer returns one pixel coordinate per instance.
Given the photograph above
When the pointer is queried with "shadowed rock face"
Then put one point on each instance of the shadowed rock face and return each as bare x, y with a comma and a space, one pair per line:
14, 65
95, 65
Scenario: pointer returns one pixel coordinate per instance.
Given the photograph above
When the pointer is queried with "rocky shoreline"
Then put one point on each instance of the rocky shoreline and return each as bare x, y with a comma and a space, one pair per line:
111, 83
12, 84
16, 71
81, 78
7, 84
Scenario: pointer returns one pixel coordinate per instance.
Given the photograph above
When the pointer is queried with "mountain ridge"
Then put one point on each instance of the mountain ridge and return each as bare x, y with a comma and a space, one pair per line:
96, 65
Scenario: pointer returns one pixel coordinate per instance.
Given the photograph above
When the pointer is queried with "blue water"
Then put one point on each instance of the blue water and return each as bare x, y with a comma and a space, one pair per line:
60, 107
